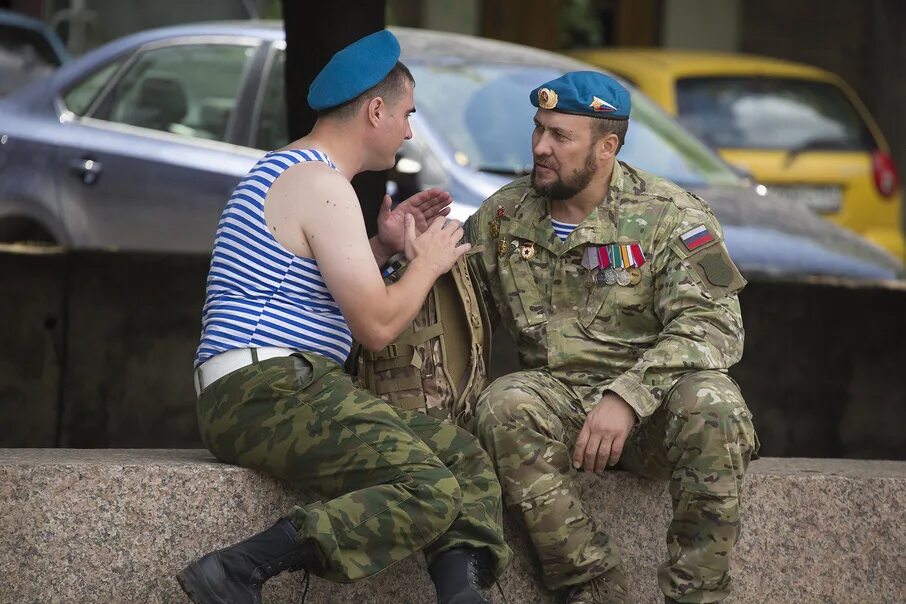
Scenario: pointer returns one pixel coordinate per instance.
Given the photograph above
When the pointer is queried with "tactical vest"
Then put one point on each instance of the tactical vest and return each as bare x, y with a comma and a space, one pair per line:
439, 364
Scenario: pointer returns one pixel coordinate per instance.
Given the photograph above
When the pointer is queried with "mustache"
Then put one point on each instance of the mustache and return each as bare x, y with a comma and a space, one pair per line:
545, 165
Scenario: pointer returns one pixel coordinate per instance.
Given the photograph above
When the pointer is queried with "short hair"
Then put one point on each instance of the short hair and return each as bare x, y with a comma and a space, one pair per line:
390, 89
604, 126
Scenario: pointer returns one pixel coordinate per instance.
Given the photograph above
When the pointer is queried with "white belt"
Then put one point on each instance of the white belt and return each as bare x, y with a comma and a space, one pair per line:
226, 362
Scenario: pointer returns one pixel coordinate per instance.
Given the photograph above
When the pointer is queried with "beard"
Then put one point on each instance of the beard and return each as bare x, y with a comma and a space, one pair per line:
566, 188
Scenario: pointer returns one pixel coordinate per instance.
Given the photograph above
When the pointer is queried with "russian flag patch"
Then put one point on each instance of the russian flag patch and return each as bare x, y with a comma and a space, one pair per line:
696, 237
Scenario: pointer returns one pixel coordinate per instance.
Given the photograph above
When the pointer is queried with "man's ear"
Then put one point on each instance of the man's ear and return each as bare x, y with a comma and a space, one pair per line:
376, 109
607, 146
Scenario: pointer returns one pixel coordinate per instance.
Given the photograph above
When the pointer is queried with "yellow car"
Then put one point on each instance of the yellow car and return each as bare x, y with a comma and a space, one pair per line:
800, 131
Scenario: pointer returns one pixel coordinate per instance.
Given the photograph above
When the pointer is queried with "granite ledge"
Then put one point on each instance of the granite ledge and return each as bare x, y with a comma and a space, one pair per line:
115, 525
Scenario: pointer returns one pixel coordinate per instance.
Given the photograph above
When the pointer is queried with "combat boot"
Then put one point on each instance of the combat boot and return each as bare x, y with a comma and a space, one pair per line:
234, 575
461, 576
610, 588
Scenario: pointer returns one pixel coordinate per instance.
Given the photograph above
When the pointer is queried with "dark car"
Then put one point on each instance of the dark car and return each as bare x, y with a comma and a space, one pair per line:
28, 50
138, 144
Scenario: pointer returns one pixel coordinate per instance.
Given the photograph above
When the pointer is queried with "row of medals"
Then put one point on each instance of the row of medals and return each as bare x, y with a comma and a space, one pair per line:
593, 278
612, 276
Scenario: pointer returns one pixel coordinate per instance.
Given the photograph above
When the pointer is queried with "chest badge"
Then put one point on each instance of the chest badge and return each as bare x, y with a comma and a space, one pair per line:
527, 251
503, 247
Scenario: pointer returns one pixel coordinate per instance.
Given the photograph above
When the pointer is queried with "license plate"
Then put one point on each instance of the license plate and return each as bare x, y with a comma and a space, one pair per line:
825, 200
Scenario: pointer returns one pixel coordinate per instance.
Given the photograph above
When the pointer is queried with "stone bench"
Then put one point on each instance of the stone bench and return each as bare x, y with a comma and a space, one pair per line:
115, 525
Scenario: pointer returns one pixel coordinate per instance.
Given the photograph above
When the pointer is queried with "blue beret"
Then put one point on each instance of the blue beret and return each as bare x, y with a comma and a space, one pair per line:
584, 93
353, 70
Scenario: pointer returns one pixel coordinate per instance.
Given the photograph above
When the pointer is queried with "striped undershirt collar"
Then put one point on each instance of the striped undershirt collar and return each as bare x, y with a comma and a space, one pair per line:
563, 229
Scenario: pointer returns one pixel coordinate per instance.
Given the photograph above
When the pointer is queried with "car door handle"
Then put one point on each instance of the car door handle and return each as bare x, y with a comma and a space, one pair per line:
86, 168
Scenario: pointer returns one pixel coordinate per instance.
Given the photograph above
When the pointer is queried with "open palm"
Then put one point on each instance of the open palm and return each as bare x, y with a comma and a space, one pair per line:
424, 206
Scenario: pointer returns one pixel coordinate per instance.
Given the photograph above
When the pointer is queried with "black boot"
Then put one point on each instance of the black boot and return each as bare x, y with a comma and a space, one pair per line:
461, 576
234, 575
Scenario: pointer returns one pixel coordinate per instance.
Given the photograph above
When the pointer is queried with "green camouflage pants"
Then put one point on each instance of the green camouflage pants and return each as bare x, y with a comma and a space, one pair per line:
395, 482
701, 440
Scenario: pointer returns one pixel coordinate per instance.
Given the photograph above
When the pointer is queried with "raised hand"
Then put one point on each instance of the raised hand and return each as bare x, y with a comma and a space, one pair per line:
438, 246
424, 207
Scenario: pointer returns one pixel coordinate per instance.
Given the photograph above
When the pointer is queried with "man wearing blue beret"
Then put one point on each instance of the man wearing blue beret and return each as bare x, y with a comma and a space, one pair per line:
293, 279
618, 290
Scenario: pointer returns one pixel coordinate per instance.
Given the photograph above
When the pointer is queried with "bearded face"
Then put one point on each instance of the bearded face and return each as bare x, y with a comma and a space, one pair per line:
550, 178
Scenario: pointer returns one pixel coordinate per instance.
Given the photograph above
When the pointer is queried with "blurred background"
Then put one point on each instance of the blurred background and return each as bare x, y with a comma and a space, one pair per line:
860, 41
120, 145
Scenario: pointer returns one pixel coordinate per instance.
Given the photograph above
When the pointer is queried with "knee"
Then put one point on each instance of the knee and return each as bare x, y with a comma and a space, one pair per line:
710, 398
714, 430
505, 404
438, 498
467, 458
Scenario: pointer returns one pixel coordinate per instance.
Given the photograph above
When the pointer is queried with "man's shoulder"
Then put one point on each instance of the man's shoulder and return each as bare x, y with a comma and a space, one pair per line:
316, 173
643, 186
509, 195
315, 182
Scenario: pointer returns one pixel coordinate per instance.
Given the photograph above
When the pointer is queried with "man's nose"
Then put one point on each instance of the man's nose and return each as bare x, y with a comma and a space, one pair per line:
540, 147
408, 132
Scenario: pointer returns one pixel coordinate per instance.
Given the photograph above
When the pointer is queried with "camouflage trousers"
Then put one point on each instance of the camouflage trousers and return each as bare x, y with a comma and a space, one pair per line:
394, 482
700, 440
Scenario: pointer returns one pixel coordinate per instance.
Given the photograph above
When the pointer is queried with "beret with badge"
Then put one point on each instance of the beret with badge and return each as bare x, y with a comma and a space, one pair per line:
354, 69
584, 93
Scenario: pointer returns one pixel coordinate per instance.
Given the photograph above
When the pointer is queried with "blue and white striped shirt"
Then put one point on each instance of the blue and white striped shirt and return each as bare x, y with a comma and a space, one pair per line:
563, 229
258, 293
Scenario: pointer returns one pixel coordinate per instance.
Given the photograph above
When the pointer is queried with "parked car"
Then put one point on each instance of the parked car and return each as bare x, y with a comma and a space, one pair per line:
28, 50
800, 130
138, 144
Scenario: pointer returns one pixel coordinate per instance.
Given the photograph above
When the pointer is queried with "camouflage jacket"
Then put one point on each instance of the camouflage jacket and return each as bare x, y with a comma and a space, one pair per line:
680, 313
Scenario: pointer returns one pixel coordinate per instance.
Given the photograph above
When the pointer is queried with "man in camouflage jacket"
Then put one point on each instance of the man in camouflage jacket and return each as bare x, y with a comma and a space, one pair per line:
626, 319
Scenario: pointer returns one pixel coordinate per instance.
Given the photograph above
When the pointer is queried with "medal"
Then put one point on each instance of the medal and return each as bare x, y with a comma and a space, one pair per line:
609, 276
590, 258
502, 247
494, 227
623, 277
528, 250
635, 276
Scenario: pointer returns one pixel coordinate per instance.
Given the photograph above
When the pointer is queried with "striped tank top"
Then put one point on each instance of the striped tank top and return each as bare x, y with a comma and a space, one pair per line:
258, 293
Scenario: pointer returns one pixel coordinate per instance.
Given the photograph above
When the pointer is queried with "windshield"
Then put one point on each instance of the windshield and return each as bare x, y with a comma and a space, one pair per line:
483, 112
770, 113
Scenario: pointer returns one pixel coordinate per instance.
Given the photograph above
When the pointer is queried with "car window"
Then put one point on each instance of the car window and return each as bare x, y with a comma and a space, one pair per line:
78, 98
17, 40
657, 143
483, 112
272, 127
770, 113
25, 55
187, 89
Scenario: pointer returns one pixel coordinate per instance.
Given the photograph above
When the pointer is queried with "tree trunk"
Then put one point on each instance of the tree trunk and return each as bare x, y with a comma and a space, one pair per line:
314, 32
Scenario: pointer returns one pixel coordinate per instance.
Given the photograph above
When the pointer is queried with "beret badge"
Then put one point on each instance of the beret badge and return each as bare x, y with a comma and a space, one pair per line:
601, 105
547, 98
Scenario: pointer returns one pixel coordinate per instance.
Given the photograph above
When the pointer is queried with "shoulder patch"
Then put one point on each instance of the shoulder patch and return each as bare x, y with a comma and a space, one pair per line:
696, 237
